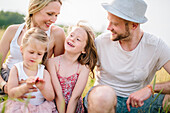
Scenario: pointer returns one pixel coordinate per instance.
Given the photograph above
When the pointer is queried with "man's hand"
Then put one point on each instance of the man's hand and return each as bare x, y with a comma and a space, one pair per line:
137, 98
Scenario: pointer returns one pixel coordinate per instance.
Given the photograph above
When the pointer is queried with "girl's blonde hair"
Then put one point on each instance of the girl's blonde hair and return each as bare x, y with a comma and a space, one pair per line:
38, 34
90, 56
34, 7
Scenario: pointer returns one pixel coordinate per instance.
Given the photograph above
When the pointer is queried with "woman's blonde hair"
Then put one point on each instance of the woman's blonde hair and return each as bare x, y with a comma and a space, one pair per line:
34, 7
38, 34
90, 56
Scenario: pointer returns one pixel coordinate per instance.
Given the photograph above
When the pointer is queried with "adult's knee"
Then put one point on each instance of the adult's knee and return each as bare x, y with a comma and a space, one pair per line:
102, 99
166, 102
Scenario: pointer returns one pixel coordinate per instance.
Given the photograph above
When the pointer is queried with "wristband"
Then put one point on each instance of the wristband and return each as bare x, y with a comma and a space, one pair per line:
150, 87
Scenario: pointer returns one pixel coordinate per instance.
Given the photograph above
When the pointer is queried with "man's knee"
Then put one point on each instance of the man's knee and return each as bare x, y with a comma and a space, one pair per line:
166, 102
102, 99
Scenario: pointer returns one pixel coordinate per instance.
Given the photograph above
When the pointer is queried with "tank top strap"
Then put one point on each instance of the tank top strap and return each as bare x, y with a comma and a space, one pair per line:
40, 73
59, 63
20, 28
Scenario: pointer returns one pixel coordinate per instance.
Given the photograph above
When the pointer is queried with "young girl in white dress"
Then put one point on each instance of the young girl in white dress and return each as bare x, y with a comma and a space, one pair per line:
30, 79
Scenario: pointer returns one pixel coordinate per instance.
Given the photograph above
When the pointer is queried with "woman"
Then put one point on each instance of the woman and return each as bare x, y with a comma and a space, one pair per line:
41, 13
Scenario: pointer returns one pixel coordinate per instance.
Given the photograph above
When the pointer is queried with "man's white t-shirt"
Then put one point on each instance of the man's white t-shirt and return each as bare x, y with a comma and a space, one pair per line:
129, 71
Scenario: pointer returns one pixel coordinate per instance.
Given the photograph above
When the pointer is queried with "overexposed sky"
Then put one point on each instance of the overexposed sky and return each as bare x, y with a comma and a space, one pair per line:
90, 10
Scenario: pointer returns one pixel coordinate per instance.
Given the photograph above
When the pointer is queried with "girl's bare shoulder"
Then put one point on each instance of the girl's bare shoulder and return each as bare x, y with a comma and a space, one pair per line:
53, 60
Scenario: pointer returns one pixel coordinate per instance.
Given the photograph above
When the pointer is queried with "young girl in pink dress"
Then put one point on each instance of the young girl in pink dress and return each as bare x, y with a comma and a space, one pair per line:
30, 79
70, 71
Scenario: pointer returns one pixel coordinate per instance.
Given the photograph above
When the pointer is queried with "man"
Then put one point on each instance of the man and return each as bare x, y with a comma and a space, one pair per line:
129, 59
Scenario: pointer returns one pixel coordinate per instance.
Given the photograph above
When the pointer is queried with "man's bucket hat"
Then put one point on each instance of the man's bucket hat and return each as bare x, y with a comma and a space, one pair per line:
131, 10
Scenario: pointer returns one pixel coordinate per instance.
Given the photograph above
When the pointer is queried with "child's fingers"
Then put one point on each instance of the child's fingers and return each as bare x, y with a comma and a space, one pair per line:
28, 96
41, 80
33, 89
37, 80
22, 81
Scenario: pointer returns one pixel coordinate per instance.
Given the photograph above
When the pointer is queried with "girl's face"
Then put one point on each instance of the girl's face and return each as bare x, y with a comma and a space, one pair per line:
46, 16
33, 53
76, 40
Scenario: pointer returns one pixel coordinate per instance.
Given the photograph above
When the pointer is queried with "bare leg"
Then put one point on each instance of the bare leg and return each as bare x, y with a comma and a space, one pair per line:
102, 99
167, 101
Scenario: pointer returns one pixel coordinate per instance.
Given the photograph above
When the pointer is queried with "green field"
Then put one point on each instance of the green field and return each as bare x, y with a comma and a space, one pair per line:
162, 75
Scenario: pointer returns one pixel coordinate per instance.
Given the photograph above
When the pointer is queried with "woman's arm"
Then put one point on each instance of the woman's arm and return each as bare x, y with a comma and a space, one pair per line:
48, 87
78, 89
59, 38
56, 84
5, 43
14, 89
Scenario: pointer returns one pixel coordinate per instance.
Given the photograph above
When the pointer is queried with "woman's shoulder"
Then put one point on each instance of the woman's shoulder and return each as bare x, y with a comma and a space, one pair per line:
10, 32
13, 28
57, 31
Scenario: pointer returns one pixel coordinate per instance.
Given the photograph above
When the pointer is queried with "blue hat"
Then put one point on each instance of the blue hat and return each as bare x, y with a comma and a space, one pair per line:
131, 10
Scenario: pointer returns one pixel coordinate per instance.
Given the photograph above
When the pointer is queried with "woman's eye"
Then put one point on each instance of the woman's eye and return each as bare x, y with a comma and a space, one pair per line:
49, 14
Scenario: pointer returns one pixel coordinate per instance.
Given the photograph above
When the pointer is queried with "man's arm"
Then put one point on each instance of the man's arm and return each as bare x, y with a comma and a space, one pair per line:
165, 85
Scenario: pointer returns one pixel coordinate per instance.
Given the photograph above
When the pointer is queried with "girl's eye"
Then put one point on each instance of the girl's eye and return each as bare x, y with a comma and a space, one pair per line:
31, 52
56, 15
71, 35
39, 54
78, 39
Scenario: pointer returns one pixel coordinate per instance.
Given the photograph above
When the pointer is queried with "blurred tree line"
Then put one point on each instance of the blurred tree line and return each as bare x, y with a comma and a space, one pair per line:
7, 18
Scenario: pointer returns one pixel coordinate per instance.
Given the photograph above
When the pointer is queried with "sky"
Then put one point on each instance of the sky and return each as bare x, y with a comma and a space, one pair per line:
91, 10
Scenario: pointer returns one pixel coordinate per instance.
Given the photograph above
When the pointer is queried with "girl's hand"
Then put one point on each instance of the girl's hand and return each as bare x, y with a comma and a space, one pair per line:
40, 83
30, 82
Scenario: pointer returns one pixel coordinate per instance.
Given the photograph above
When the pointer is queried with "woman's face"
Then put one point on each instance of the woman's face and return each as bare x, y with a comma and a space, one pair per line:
46, 16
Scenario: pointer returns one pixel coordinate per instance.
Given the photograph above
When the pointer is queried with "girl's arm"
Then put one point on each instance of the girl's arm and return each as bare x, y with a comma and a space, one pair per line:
56, 84
78, 89
47, 91
14, 89
5, 43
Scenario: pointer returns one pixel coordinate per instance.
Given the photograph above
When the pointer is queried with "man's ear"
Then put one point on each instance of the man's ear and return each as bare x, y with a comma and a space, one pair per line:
134, 25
